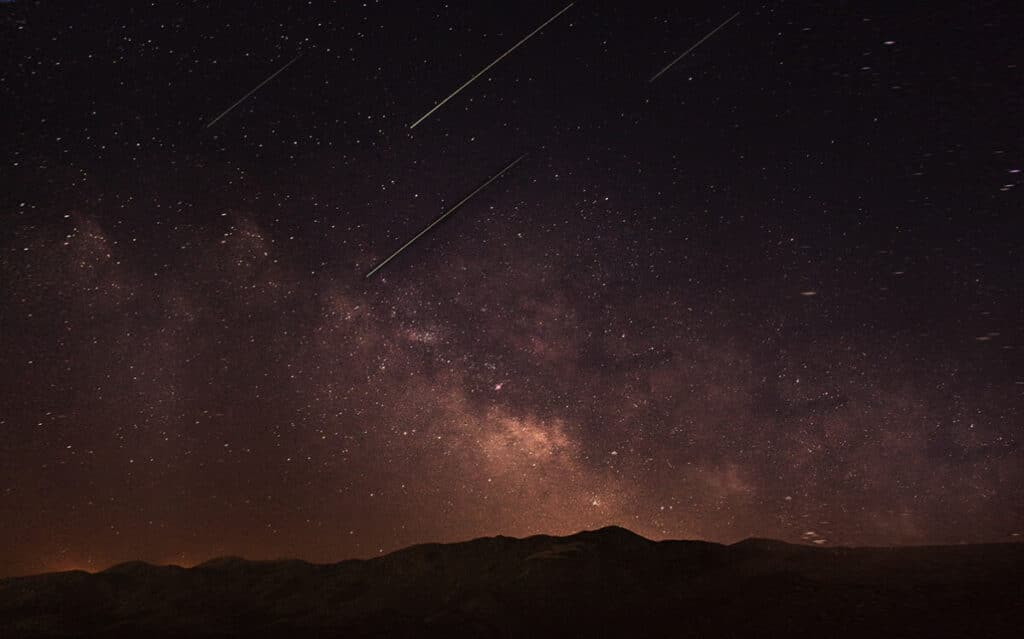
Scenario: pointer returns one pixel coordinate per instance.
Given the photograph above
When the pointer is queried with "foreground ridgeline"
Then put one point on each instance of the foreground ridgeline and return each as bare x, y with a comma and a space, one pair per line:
605, 583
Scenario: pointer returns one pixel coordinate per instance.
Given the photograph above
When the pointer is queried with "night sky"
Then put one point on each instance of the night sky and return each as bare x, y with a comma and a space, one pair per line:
777, 292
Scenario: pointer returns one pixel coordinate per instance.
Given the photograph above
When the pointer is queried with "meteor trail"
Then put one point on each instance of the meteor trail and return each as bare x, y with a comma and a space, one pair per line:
485, 69
258, 86
699, 42
446, 214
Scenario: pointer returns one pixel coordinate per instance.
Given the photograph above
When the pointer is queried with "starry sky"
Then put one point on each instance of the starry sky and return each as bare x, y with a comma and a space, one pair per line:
777, 292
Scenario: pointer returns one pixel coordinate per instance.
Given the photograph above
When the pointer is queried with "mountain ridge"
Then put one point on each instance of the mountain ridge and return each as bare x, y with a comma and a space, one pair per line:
220, 561
595, 583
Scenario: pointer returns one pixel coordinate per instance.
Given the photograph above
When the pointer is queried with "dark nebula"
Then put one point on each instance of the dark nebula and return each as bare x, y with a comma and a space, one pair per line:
778, 292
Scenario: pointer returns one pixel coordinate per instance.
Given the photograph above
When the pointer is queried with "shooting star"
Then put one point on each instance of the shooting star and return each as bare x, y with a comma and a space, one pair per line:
698, 43
258, 87
446, 214
487, 68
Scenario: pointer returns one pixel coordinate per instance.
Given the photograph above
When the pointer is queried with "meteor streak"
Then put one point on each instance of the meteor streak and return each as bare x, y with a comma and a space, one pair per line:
698, 43
258, 86
446, 214
485, 69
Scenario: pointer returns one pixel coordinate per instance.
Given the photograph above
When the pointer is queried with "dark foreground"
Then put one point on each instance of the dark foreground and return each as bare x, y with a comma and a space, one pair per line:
607, 583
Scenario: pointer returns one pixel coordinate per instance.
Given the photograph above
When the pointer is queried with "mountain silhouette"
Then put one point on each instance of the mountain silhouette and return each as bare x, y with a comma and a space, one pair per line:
603, 583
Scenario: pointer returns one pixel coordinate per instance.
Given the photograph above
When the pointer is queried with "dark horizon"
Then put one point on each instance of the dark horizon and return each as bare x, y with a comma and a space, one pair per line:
719, 271
608, 582
285, 559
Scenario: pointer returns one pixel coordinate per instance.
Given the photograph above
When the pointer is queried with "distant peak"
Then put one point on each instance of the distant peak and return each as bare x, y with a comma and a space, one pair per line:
222, 562
762, 542
616, 530
611, 532
130, 567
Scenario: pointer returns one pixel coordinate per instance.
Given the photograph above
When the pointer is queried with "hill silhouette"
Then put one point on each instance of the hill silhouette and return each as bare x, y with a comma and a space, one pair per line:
604, 583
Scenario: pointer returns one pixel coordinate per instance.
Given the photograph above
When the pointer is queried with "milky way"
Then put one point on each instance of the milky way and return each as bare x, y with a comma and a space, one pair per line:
777, 293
